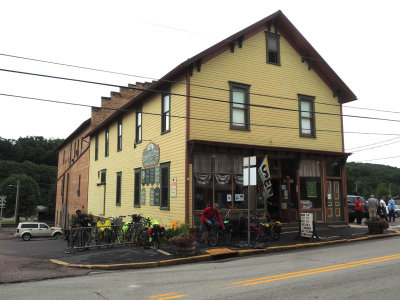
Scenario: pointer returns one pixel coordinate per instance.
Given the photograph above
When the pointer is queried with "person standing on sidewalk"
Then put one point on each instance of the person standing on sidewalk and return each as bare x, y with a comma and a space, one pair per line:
382, 204
359, 208
391, 209
372, 204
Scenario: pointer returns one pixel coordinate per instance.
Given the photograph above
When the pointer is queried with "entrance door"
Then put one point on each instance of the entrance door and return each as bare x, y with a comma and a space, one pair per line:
334, 201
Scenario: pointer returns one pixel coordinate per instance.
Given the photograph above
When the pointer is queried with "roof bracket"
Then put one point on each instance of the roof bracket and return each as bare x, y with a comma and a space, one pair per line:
191, 68
198, 64
269, 26
310, 62
233, 46
240, 41
337, 92
304, 55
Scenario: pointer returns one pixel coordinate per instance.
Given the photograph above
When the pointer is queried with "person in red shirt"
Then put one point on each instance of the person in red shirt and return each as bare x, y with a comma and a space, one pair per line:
359, 208
206, 219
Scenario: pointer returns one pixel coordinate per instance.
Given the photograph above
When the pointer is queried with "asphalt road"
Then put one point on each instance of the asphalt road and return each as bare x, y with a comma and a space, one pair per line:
363, 270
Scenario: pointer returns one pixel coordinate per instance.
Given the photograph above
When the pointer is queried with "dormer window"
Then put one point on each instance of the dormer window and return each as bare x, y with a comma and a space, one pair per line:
273, 48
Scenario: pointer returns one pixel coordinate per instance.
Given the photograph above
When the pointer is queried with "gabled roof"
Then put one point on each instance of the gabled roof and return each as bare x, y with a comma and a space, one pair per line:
306, 52
81, 128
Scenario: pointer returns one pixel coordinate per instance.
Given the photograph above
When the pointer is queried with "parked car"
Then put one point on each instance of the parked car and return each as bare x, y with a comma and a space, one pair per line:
351, 200
28, 230
397, 211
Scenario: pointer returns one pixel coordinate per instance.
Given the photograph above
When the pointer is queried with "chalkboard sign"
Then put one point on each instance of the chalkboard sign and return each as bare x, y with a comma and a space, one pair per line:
157, 196
306, 224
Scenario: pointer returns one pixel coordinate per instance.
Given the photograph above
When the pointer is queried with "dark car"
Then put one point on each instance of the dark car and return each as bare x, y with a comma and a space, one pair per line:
351, 200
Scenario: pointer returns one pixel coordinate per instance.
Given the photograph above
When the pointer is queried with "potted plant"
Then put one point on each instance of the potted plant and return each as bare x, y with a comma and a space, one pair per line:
182, 237
376, 225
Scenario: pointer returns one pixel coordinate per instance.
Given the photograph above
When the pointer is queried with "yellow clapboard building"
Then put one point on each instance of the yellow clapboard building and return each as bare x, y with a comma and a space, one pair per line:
179, 145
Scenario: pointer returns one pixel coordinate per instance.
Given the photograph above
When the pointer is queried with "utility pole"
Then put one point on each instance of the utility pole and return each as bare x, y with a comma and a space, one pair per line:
16, 204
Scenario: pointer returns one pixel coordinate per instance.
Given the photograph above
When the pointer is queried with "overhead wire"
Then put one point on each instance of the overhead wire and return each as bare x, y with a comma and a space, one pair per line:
174, 81
368, 145
190, 118
192, 96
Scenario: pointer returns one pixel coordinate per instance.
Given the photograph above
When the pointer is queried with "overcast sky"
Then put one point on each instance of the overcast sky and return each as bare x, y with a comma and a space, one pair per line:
358, 39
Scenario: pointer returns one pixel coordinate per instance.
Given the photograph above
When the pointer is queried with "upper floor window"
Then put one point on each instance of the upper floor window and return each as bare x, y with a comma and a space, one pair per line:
273, 48
107, 141
138, 125
119, 142
96, 147
307, 116
165, 113
103, 174
136, 194
118, 195
164, 170
240, 111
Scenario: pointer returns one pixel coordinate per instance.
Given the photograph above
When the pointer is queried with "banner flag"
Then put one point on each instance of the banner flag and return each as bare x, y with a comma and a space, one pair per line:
263, 172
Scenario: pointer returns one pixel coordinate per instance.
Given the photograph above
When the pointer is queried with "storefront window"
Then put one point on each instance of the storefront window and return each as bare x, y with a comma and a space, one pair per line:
310, 192
202, 191
332, 169
223, 191
310, 184
240, 193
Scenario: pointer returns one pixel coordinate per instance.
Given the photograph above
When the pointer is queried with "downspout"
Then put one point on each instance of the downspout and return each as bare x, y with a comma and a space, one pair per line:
344, 178
187, 146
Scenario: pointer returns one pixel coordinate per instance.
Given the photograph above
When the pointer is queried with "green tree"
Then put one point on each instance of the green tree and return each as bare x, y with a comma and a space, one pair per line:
29, 195
382, 190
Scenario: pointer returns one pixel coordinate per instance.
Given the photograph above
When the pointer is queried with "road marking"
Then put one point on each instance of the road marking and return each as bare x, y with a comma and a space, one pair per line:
170, 296
312, 271
155, 296
163, 252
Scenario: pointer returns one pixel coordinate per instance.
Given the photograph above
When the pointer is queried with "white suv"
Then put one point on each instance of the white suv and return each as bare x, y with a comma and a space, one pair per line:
28, 230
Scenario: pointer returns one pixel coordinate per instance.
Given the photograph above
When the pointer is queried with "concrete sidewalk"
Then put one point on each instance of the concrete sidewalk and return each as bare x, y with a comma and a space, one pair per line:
137, 257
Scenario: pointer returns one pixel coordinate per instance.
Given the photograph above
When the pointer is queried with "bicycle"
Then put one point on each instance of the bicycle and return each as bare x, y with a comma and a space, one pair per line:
216, 233
264, 230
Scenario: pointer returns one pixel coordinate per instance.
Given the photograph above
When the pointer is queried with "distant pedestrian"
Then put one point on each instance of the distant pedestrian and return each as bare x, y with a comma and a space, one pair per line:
391, 208
382, 205
372, 204
359, 208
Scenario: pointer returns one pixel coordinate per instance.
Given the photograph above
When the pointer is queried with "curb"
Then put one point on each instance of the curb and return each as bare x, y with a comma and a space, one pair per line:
209, 257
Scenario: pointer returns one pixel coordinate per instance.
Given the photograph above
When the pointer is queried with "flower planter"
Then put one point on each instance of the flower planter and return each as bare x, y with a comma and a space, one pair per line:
375, 229
185, 249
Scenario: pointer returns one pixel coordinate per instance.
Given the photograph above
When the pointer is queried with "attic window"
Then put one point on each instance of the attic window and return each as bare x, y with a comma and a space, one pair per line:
273, 48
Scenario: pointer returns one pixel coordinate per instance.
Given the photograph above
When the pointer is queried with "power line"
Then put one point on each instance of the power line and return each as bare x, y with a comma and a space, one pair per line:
368, 145
377, 146
381, 158
190, 118
191, 96
174, 81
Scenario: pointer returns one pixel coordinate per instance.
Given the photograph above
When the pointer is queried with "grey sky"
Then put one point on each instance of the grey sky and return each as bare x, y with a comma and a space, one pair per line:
149, 38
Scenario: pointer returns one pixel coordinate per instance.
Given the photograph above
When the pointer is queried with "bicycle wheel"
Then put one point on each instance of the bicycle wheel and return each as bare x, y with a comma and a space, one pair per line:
213, 237
157, 241
275, 233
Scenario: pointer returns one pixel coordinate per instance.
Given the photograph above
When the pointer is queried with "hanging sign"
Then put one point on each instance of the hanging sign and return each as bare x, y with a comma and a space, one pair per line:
151, 155
263, 172
306, 225
173, 187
